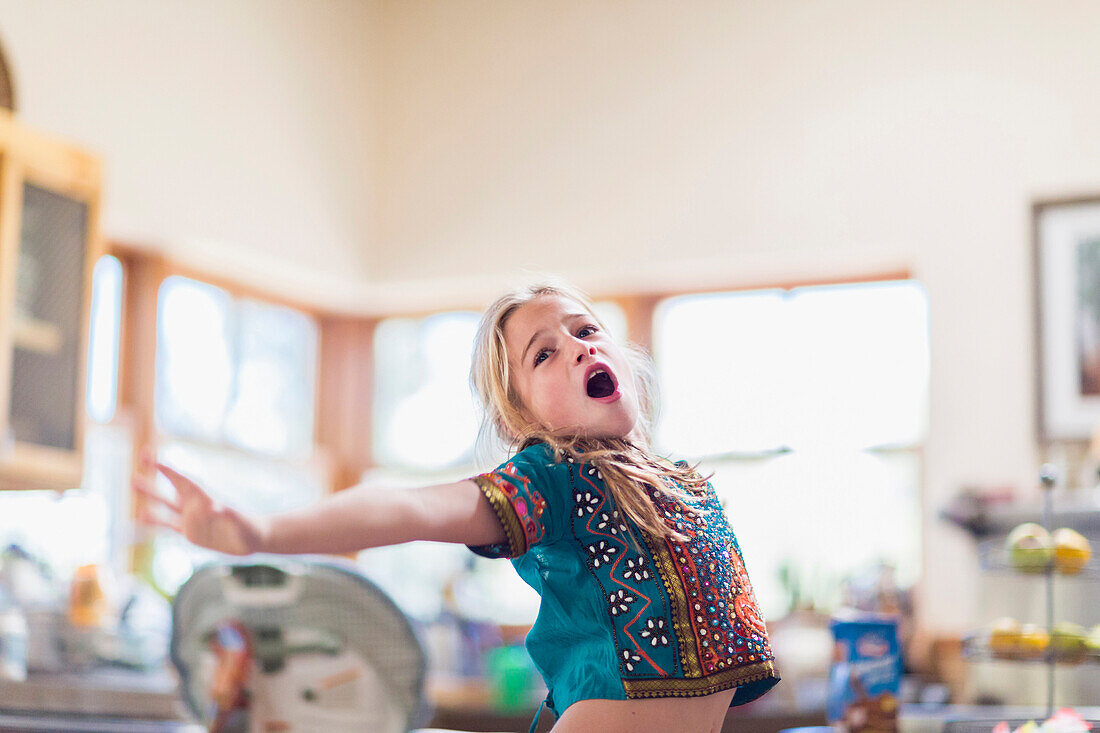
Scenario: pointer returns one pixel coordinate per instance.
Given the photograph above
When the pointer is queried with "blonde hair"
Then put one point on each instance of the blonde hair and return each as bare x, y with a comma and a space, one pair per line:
630, 471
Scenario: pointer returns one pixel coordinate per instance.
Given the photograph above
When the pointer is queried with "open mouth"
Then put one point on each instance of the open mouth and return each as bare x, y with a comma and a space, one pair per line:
600, 384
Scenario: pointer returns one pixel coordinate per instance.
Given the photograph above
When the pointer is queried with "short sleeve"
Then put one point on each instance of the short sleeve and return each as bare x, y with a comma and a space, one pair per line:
518, 490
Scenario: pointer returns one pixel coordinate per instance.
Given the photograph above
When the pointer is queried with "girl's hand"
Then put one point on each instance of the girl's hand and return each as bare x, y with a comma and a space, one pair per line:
197, 517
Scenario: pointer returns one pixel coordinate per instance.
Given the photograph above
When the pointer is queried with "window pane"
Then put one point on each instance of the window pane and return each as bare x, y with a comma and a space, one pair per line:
862, 364
195, 334
849, 510
723, 366
236, 372
425, 414
272, 408
106, 317
757, 371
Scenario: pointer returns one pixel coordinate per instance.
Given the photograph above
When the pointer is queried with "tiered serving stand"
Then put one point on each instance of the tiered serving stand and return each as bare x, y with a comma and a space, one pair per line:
994, 558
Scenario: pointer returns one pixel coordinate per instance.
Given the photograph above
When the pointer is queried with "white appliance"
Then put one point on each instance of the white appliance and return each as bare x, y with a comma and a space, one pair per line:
327, 649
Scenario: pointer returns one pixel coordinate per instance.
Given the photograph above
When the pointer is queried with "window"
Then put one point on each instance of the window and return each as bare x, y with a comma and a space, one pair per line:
102, 389
425, 416
234, 407
234, 372
809, 406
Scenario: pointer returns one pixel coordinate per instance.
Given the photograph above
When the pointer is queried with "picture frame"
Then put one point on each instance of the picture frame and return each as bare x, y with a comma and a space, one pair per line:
1066, 267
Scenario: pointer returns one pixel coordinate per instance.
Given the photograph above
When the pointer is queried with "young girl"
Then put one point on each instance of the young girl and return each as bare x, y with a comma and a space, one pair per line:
648, 621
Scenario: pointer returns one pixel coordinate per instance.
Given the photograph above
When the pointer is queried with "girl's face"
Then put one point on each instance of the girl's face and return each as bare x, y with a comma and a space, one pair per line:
570, 375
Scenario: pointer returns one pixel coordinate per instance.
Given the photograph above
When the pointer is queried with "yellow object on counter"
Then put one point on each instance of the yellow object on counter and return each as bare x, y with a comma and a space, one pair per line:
87, 602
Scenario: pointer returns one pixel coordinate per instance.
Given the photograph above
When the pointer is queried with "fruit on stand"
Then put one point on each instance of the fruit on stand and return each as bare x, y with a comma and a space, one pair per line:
1092, 643
1004, 638
1071, 551
1030, 548
1069, 642
1034, 641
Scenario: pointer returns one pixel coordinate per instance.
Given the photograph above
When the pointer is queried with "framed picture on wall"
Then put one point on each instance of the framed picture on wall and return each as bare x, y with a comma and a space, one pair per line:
1067, 317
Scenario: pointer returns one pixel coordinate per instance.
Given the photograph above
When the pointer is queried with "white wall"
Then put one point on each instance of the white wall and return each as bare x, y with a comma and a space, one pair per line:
240, 135
443, 146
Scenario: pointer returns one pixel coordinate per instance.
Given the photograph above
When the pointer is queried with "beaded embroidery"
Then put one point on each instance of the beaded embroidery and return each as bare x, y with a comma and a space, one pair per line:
682, 613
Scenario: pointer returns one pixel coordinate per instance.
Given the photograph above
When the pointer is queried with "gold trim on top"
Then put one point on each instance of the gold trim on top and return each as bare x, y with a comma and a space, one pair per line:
681, 619
506, 513
699, 686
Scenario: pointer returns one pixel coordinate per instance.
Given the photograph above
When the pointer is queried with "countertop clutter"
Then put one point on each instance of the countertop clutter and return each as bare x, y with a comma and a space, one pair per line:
150, 694
94, 658
77, 662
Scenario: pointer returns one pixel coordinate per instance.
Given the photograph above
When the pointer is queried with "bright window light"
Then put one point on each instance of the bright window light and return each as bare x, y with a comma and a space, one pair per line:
102, 387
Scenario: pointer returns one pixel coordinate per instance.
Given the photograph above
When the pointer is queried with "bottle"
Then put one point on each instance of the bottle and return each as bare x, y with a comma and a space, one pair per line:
87, 602
13, 644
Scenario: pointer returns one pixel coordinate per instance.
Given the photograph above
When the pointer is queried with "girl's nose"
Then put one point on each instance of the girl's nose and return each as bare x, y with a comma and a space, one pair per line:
591, 351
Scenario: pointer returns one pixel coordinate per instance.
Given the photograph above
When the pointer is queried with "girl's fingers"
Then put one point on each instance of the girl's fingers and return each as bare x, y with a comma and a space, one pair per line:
148, 518
149, 493
181, 482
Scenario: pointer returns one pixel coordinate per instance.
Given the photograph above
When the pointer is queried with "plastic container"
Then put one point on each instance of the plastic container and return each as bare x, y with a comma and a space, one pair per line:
13, 644
87, 601
509, 674
45, 652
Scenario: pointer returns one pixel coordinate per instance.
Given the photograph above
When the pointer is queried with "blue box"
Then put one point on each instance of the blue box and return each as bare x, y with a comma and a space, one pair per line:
866, 674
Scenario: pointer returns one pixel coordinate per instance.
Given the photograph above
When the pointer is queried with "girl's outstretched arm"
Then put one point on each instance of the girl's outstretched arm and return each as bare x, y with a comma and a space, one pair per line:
351, 520
362, 517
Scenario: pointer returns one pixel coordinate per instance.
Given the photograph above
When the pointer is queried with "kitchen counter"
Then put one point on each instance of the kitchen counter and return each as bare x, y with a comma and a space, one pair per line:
107, 693
110, 700
57, 723
934, 718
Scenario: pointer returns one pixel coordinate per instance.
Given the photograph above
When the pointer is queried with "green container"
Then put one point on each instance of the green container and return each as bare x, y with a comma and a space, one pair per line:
510, 675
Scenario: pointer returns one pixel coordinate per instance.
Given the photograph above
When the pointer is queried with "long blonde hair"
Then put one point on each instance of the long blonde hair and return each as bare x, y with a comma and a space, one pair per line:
630, 471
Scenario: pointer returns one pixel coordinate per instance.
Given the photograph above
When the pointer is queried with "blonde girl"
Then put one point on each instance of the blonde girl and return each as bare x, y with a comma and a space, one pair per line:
647, 621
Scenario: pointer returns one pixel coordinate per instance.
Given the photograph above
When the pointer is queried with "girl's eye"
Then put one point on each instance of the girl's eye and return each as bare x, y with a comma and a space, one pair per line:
581, 333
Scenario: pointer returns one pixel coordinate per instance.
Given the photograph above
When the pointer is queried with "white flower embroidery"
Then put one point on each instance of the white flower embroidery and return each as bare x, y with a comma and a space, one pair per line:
586, 502
620, 602
636, 569
601, 552
608, 523
630, 659
655, 631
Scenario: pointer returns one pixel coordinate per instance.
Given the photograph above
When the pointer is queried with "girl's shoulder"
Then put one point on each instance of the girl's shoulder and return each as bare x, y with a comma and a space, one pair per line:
537, 459
539, 453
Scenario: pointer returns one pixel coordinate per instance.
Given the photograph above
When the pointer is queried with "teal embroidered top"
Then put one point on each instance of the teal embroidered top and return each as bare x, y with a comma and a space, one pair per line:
618, 621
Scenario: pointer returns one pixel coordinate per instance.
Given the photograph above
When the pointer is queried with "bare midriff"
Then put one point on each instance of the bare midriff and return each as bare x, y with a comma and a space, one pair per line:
660, 715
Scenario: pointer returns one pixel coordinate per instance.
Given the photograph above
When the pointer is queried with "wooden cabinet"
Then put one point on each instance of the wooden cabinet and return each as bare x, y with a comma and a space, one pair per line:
49, 244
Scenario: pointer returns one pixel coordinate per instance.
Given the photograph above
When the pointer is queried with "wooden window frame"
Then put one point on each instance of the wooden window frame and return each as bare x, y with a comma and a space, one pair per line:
345, 369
